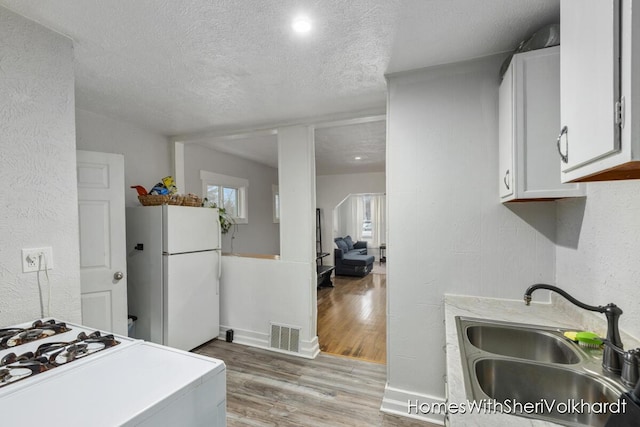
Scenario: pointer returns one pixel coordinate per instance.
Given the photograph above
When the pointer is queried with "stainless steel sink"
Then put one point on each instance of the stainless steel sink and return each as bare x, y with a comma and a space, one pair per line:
511, 362
523, 343
515, 380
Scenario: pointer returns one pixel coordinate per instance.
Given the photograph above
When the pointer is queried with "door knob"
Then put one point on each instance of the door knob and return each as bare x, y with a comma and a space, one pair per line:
118, 275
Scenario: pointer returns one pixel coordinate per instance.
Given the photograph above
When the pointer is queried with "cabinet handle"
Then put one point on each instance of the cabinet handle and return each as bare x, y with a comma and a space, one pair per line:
564, 157
506, 182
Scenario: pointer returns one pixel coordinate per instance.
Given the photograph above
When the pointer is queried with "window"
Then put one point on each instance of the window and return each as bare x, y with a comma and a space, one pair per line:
224, 196
228, 192
365, 209
275, 191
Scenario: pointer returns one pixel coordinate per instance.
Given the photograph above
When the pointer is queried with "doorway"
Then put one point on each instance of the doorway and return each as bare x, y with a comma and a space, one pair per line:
352, 314
352, 317
350, 163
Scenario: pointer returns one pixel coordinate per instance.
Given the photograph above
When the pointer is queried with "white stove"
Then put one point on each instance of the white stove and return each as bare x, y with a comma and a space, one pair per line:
57, 373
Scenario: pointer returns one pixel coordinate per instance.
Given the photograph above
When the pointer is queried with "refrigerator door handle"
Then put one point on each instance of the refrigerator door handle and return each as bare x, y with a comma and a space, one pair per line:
219, 234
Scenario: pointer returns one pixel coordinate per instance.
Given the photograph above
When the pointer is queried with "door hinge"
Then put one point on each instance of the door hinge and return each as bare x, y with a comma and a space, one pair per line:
620, 112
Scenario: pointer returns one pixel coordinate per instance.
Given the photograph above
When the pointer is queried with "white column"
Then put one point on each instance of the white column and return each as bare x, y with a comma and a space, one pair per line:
178, 166
297, 184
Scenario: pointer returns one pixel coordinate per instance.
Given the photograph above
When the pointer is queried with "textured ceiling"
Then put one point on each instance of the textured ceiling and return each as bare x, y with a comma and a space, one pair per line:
336, 148
259, 148
186, 67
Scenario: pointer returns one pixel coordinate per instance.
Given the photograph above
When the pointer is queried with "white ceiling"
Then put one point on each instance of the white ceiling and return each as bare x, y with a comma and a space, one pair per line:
193, 66
338, 146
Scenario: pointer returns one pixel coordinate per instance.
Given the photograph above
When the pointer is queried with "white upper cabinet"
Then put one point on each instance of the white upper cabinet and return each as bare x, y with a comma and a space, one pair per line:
505, 135
529, 116
599, 54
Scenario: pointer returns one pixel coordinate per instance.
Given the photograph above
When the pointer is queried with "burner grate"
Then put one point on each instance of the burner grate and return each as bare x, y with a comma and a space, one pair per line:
13, 337
49, 355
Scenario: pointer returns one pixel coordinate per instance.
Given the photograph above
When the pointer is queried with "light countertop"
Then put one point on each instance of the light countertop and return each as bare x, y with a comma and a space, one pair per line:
256, 256
558, 313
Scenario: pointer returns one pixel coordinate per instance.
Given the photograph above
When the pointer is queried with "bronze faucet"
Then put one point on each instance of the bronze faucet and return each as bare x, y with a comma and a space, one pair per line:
611, 359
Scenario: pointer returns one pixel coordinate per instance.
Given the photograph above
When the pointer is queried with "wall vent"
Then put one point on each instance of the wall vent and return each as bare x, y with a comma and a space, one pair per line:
285, 337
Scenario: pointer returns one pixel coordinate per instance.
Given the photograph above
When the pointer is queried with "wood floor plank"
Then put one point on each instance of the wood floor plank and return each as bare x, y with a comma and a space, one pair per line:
352, 317
266, 389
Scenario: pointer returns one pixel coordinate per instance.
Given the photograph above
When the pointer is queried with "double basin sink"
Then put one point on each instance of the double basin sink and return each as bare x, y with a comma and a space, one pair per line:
511, 362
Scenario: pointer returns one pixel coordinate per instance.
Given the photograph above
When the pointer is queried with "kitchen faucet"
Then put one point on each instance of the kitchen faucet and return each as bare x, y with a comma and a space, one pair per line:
611, 359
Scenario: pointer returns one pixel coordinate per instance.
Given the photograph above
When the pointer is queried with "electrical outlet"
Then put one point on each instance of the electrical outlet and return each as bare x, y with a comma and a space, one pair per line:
37, 259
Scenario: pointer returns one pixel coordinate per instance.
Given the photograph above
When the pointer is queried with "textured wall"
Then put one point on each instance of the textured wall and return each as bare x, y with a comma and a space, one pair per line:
147, 157
38, 206
261, 234
255, 292
598, 246
332, 189
448, 232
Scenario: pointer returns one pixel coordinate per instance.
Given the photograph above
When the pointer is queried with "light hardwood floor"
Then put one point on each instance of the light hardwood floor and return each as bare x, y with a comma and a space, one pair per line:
266, 388
352, 317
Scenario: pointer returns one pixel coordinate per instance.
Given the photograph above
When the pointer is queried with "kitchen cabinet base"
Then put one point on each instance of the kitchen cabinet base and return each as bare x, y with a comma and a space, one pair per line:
629, 170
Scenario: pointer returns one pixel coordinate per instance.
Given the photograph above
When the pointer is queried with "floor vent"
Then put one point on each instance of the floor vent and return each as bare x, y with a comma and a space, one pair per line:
285, 338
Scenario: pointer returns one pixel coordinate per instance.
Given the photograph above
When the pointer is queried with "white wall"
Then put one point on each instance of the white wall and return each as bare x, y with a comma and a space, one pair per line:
598, 253
332, 189
147, 157
344, 211
255, 292
39, 198
447, 231
261, 234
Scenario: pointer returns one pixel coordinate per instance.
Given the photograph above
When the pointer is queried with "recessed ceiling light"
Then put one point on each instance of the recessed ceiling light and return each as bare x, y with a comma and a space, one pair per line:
301, 25
358, 158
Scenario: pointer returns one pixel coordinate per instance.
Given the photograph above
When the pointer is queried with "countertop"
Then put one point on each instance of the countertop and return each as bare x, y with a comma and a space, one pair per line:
256, 256
557, 313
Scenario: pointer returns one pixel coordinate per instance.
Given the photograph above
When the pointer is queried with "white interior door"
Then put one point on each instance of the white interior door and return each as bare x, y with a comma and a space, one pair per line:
102, 240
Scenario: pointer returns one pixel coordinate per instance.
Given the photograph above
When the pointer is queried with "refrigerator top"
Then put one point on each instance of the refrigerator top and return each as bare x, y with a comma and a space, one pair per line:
189, 229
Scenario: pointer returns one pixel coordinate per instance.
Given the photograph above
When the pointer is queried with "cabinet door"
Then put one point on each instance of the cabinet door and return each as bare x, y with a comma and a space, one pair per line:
589, 80
537, 100
506, 136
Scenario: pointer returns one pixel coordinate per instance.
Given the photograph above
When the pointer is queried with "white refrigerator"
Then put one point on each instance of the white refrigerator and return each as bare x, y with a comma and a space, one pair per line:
173, 264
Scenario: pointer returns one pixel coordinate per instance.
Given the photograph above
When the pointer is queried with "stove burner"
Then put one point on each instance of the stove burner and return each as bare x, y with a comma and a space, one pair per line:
10, 375
12, 337
51, 355
59, 353
14, 368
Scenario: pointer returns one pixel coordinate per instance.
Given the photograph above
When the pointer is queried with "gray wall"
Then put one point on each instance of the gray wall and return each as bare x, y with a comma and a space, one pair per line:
147, 158
332, 189
260, 235
447, 230
39, 204
146, 154
597, 257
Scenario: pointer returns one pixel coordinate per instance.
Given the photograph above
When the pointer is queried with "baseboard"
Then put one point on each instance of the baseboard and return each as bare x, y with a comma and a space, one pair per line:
244, 337
396, 402
308, 349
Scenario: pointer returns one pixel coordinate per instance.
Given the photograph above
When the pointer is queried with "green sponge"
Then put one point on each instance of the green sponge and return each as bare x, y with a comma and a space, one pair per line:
584, 338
